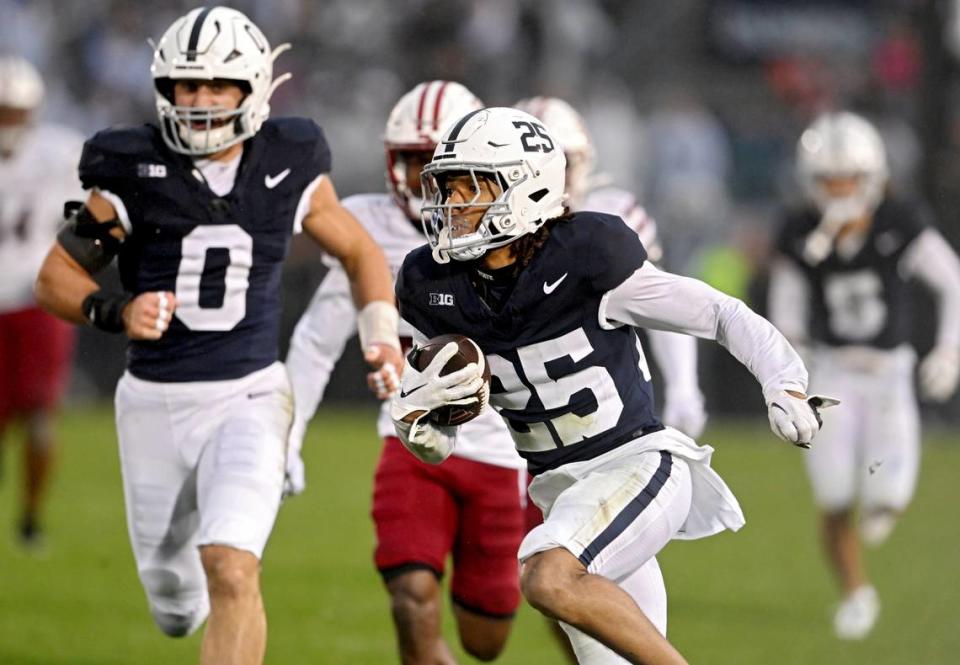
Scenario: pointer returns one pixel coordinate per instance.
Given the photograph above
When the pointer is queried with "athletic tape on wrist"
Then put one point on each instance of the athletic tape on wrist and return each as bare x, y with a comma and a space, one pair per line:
377, 324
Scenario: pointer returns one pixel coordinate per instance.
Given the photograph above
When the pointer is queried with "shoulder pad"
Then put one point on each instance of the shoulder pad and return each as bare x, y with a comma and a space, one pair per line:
115, 153
912, 216
614, 250
305, 134
125, 141
294, 130
795, 225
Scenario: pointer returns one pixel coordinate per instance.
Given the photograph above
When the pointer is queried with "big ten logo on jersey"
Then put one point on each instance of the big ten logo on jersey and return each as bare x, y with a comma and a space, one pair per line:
151, 170
441, 299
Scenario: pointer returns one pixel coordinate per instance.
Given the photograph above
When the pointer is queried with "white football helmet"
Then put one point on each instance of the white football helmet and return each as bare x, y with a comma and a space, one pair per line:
515, 151
838, 145
21, 89
416, 123
214, 43
568, 126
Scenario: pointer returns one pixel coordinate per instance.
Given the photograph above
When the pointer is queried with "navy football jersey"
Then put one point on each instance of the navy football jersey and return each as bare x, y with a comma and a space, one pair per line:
222, 256
860, 299
569, 386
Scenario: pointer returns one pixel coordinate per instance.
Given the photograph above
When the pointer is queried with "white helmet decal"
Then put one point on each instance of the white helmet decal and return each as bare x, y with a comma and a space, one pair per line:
512, 149
20, 88
416, 123
213, 43
571, 130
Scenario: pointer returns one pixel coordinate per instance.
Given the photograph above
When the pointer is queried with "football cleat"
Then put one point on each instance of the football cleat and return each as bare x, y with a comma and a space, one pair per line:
857, 614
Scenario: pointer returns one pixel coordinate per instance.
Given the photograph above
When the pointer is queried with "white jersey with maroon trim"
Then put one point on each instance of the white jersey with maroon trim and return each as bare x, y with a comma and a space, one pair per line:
34, 183
623, 204
330, 321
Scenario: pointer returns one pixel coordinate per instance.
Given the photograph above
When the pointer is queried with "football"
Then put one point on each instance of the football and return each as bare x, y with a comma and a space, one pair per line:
468, 352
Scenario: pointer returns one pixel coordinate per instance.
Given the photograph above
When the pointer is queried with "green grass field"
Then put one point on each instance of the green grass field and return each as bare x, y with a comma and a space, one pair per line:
761, 596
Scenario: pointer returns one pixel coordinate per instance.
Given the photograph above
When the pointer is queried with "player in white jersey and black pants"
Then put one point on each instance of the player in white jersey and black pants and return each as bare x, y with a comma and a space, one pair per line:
38, 171
199, 213
840, 287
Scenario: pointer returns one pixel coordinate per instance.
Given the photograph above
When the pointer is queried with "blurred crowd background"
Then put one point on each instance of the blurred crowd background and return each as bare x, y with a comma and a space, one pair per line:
694, 105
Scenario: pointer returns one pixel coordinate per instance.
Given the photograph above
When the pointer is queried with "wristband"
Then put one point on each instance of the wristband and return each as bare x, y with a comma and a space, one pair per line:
104, 310
377, 323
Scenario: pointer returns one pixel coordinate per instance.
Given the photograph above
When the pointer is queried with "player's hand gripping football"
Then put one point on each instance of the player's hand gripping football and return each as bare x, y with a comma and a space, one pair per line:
423, 391
148, 315
386, 361
795, 418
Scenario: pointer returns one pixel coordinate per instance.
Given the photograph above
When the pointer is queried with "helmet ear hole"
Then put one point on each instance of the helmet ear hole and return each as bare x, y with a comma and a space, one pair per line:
539, 194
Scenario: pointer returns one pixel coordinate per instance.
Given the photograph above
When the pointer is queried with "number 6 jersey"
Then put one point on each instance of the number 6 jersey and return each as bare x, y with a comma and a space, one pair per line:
861, 296
221, 255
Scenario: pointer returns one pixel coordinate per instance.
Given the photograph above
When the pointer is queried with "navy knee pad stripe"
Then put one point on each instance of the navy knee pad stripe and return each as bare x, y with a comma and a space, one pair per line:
631, 512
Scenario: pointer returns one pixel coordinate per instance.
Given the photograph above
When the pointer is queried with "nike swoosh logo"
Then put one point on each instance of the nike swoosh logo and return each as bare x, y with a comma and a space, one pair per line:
262, 393
410, 392
272, 181
550, 288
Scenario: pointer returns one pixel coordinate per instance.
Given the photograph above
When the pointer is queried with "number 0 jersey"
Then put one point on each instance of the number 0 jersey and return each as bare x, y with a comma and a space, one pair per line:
221, 255
569, 385
864, 297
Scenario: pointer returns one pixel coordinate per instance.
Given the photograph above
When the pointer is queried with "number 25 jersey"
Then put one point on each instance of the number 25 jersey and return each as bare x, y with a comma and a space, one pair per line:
569, 386
221, 255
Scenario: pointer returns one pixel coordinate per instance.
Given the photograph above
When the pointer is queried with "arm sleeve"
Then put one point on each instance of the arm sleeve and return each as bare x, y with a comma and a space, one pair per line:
651, 298
931, 259
788, 299
318, 342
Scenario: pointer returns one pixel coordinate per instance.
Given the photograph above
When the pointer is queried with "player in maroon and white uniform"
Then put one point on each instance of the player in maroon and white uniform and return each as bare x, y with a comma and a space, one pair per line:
470, 507
37, 173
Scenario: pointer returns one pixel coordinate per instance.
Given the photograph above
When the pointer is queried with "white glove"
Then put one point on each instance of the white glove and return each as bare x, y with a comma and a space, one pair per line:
939, 372
428, 441
685, 412
797, 419
427, 390
294, 480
